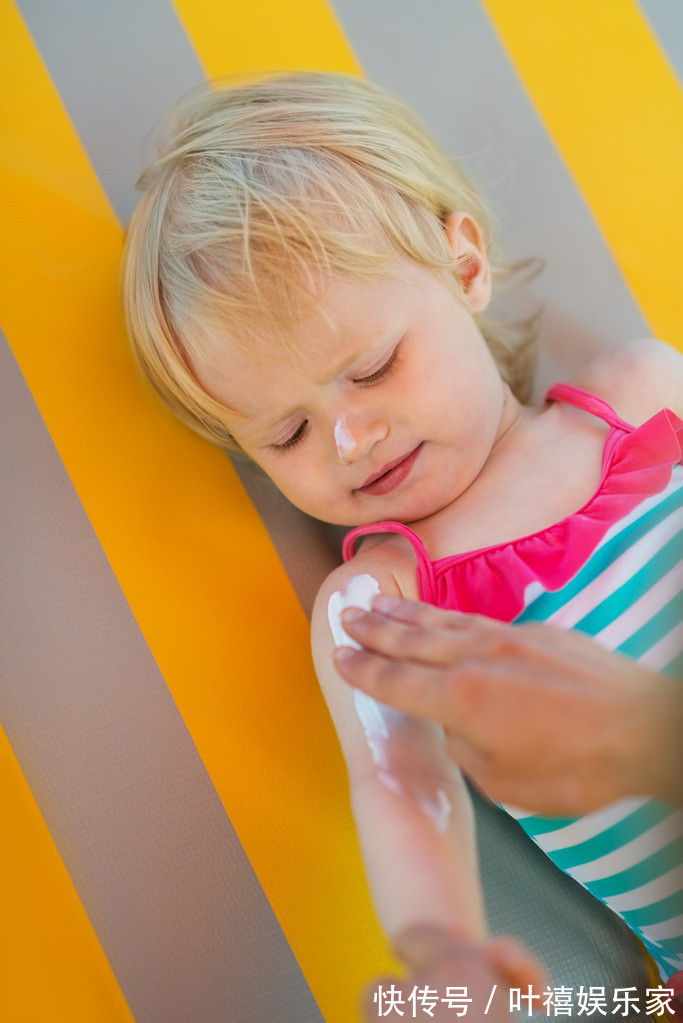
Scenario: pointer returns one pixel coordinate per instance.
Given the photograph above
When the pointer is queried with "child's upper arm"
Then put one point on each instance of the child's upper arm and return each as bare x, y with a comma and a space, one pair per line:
393, 570
637, 379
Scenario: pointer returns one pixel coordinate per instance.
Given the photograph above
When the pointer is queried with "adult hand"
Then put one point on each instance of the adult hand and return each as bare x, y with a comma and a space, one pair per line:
540, 717
452, 979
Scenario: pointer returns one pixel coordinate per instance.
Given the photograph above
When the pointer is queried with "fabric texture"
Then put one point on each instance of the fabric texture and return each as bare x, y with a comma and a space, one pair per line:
614, 570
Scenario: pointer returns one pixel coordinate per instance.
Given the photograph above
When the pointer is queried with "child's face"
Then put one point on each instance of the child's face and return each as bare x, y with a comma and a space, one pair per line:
389, 410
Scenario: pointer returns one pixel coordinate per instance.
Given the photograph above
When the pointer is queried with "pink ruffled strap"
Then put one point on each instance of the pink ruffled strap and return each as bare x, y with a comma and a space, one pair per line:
425, 570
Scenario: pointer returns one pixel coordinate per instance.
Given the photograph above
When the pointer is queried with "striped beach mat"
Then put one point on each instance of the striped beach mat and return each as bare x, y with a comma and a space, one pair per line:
177, 844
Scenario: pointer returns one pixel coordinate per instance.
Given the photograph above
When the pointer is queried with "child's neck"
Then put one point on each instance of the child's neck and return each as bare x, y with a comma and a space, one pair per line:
546, 465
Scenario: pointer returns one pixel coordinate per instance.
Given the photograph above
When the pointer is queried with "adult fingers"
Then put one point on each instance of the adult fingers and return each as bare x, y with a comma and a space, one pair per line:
416, 612
414, 641
422, 690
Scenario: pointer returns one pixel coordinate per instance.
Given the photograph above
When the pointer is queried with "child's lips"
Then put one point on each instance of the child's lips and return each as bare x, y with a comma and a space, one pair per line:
391, 475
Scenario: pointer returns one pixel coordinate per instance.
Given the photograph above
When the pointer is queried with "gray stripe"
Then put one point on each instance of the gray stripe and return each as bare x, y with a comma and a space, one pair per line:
157, 865
666, 20
119, 67
308, 549
445, 59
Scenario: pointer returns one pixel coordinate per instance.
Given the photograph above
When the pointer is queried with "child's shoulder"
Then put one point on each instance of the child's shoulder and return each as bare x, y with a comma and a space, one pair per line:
636, 379
388, 558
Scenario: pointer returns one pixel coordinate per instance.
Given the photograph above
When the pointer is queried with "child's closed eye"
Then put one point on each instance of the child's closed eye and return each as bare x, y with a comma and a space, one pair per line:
378, 374
292, 441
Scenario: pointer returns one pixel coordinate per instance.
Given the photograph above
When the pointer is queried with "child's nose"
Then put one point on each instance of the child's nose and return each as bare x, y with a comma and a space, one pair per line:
353, 439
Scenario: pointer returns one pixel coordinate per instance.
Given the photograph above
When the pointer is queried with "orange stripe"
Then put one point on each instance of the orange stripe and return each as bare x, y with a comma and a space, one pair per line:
614, 107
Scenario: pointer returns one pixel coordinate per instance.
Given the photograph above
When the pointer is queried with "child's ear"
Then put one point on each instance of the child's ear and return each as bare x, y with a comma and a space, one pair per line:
467, 245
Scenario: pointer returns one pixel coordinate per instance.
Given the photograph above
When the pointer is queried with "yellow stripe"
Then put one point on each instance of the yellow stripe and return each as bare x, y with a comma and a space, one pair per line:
614, 107
266, 35
52, 965
188, 549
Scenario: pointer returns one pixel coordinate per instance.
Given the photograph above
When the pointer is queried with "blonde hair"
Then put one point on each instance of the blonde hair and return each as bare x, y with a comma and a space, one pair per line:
261, 187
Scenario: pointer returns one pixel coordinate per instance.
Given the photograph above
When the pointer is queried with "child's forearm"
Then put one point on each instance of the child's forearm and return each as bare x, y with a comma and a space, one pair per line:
419, 849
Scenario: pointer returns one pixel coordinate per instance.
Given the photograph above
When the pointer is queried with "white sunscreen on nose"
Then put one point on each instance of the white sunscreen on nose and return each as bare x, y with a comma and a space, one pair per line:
343, 438
399, 745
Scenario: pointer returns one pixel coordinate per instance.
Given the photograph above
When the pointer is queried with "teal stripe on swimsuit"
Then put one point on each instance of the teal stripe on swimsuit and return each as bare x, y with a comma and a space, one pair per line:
660, 625
547, 603
659, 954
545, 824
623, 831
656, 912
673, 944
624, 596
658, 863
538, 826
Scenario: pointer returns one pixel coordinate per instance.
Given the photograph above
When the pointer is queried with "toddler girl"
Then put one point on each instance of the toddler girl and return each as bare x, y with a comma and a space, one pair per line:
306, 279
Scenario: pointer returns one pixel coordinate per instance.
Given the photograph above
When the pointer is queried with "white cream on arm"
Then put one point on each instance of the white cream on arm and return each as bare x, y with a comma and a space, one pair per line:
401, 747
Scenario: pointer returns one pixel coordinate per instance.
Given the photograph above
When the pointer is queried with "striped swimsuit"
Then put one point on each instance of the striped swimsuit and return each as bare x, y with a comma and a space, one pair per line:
613, 570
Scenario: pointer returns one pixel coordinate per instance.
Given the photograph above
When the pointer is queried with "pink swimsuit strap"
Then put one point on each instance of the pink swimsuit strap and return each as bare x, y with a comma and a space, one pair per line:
571, 395
425, 569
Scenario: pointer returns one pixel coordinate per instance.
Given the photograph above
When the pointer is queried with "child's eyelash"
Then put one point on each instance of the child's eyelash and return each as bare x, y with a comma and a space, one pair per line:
292, 441
379, 373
